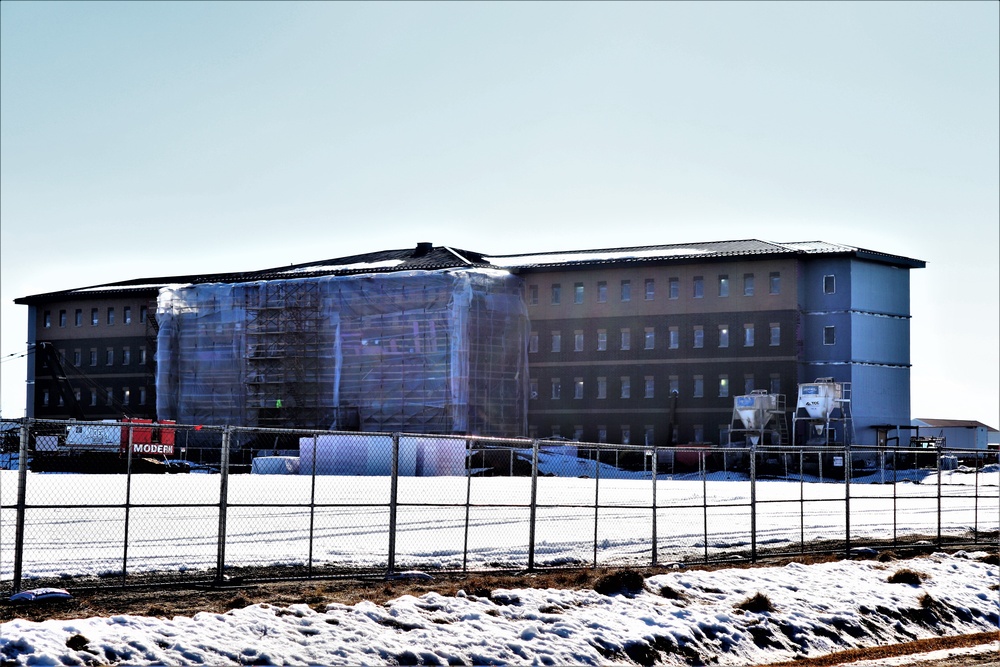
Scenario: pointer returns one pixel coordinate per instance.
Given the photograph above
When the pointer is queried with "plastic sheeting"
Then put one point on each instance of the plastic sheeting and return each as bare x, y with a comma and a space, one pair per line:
275, 465
371, 455
409, 351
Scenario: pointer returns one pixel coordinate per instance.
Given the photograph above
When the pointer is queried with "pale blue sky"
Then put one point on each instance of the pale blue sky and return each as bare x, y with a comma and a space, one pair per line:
147, 139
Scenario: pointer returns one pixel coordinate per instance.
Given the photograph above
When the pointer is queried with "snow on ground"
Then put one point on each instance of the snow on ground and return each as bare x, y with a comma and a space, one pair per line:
680, 617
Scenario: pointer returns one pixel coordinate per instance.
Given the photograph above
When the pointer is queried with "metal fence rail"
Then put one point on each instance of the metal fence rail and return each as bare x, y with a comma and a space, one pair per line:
81, 503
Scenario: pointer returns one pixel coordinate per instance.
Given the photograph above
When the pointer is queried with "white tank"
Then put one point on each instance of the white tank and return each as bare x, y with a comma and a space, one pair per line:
819, 398
756, 409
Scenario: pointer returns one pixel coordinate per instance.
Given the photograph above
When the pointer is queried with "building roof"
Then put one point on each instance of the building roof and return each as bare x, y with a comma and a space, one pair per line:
953, 423
428, 257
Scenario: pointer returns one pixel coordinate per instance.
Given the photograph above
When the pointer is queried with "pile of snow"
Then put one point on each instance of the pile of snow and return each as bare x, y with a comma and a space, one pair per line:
679, 618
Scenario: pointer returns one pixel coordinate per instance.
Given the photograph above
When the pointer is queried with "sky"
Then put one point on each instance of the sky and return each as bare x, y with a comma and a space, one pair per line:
155, 139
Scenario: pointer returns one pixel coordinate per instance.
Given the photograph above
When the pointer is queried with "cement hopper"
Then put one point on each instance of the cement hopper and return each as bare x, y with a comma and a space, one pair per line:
820, 398
756, 409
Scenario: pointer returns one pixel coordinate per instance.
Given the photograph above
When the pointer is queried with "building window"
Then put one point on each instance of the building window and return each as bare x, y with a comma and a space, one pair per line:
533, 295
723, 285
78, 317
626, 434
649, 386
578, 432
533, 389
578, 341
699, 386
111, 315
556, 389
578, 293
774, 283
556, 341
142, 314
77, 393
775, 333
126, 356
626, 387
602, 387
829, 336
748, 384
675, 384
127, 315
649, 435
109, 397
93, 397
109, 358
93, 356
747, 284
47, 319
699, 433
699, 287
62, 318
673, 338
626, 290
556, 294
533, 342
650, 289
723, 335
126, 395
578, 388
774, 384
77, 357
699, 336
45, 397
829, 284
142, 355
602, 340
748, 335
602, 291
602, 433
723, 386
674, 288
142, 396
626, 339
649, 338
94, 317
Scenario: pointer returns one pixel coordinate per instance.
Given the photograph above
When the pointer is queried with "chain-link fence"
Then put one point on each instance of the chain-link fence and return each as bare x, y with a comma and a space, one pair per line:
86, 504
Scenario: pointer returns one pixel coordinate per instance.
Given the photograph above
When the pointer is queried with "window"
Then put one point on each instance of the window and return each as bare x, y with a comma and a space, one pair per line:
775, 333
93, 397
699, 336
748, 384
626, 290
556, 294
649, 338
47, 319
94, 317
126, 356
62, 318
556, 389
142, 314
602, 340
829, 336
650, 289
674, 288
556, 341
533, 342
578, 341
111, 315
110, 356
674, 338
648, 388
723, 285
774, 383
699, 386
626, 339
774, 283
126, 395
142, 396
78, 317
723, 335
675, 384
578, 432
533, 389
533, 295
142, 355
602, 291
723, 386
626, 434
602, 433
578, 293
699, 287
648, 432
747, 284
699, 433
602, 387
77, 357
578, 388
747, 335
127, 315
93, 356
77, 394
45, 397
626, 387
556, 430
109, 397
829, 284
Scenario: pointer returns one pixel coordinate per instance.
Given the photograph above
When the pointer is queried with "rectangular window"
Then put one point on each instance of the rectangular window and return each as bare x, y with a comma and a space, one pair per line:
602, 340
578, 341
77, 357
556, 389
93, 397
674, 338
626, 339
578, 293
626, 387
109, 356
699, 433
602, 387
533, 342
829, 336
829, 284
748, 384
699, 287
94, 317
78, 317
556, 294
626, 434
45, 397
578, 388
648, 432
723, 335
649, 386
626, 290
62, 318
775, 333
774, 384
578, 432
109, 397
602, 433
723, 386
699, 386
533, 389
111, 315
127, 315
142, 355
748, 335
650, 289
674, 288
47, 319
77, 394
126, 356
556, 341
93, 356
675, 384
533, 295
699, 336
126, 395
723, 285
774, 283
142, 314
649, 338
602, 291
747, 284
142, 396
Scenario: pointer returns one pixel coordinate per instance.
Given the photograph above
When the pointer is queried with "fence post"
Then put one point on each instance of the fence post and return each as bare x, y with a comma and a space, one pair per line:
468, 499
128, 504
533, 510
220, 557
597, 499
653, 467
393, 497
847, 500
22, 482
753, 502
312, 506
938, 494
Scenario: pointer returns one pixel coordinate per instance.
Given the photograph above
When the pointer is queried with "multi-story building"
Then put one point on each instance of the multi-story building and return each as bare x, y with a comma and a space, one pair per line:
639, 345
